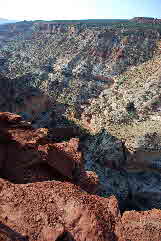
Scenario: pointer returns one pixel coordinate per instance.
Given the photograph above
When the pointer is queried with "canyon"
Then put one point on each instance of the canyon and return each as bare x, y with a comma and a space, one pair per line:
80, 124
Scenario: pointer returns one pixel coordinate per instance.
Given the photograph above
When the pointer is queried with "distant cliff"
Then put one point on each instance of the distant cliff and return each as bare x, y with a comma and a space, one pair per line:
146, 20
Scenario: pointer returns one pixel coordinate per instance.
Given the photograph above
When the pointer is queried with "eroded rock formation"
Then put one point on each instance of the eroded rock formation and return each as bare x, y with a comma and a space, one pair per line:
47, 195
53, 208
140, 226
30, 155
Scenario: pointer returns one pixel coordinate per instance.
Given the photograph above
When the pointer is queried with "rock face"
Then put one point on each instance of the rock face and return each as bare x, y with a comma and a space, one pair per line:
132, 176
28, 147
96, 54
53, 209
30, 155
114, 73
47, 195
105, 154
136, 226
31, 103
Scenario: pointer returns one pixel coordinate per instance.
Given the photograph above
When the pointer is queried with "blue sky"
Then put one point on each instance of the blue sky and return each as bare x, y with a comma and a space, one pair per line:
78, 9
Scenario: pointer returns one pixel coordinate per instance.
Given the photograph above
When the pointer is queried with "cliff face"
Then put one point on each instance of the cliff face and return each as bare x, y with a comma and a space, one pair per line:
146, 20
93, 52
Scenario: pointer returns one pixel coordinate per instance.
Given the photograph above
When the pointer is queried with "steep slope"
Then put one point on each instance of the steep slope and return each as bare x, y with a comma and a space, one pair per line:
108, 81
134, 100
88, 60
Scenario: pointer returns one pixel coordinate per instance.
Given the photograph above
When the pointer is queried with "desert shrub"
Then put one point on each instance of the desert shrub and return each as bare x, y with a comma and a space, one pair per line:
130, 107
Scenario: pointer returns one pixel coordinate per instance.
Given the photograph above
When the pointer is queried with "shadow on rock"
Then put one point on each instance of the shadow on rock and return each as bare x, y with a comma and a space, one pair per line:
8, 234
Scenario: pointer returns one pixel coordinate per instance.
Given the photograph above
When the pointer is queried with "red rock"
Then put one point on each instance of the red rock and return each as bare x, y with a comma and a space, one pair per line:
87, 180
51, 234
27, 147
140, 226
43, 210
47, 211
64, 157
9, 118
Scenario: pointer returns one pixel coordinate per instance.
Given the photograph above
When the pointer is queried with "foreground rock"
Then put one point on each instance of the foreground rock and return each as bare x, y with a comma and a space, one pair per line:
140, 226
53, 209
31, 155
26, 147
45, 198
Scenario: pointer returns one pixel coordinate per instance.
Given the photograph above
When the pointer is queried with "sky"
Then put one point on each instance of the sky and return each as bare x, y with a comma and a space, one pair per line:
78, 9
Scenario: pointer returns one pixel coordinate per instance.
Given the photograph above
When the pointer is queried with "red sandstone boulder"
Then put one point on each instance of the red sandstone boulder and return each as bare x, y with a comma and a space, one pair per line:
30, 154
61, 157
48, 210
140, 226
87, 180
64, 157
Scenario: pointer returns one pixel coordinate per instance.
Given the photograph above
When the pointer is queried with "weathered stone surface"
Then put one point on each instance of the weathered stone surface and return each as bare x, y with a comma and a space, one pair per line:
87, 180
136, 226
41, 210
27, 147
8, 118
64, 157
47, 210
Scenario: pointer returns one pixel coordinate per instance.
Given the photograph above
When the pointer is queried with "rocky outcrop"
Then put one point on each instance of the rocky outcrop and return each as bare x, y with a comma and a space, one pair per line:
28, 146
140, 226
30, 155
61, 211
56, 209
47, 194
